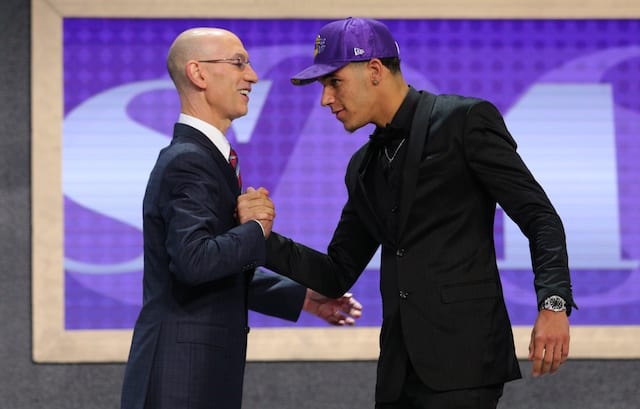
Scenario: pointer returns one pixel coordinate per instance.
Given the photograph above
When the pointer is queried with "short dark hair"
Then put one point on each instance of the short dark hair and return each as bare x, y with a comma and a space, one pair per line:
392, 63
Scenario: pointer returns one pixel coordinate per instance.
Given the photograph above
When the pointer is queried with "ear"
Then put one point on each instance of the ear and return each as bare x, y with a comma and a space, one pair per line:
376, 68
195, 74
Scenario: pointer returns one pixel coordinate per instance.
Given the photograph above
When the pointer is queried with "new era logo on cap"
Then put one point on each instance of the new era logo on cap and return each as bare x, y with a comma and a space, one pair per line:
344, 41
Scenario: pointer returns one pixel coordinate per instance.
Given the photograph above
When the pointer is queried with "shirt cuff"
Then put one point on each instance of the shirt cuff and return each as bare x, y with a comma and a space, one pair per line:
261, 228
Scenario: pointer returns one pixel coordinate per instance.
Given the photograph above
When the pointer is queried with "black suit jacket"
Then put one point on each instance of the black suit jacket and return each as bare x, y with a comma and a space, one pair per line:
189, 342
441, 292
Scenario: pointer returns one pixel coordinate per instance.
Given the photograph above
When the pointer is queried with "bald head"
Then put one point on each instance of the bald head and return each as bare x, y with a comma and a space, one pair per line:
195, 44
214, 93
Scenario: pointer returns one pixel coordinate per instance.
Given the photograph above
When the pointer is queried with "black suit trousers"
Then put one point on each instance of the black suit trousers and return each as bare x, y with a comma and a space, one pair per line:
416, 395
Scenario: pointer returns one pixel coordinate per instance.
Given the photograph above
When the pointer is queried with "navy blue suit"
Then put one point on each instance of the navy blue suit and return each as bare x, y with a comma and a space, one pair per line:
189, 342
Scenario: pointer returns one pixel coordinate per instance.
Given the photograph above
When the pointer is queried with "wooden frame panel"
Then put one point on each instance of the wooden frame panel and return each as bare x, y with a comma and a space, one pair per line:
51, 343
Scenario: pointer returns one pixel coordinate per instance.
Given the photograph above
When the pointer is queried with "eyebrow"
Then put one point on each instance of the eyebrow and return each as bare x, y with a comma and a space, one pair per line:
329, 77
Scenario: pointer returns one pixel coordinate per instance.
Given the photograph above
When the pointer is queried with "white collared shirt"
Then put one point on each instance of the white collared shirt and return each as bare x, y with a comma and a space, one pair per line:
211, 132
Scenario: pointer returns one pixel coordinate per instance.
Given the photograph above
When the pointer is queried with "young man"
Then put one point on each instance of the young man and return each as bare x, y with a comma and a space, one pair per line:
425, 188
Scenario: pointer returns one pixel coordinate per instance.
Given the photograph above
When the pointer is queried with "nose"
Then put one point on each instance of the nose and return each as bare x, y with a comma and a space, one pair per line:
250, 74
327, 97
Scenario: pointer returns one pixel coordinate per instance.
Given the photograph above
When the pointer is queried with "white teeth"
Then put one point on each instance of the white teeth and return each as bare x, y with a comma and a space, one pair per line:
244, 92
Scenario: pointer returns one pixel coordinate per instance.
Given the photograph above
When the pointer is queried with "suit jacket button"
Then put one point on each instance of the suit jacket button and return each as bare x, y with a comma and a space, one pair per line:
404, 294
400, 252
394, 209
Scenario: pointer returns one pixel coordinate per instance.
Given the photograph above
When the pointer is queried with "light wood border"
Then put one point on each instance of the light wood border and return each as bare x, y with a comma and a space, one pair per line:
410, 9
51, 343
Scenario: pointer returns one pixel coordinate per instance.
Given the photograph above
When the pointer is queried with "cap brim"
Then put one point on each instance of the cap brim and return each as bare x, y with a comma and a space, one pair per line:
312, 73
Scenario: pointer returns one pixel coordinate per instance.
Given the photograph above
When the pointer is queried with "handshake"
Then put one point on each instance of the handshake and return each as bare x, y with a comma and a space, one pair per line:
255, 204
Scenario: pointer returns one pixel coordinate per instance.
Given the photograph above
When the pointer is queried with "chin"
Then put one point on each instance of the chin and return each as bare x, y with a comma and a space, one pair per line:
240, 114
351, 128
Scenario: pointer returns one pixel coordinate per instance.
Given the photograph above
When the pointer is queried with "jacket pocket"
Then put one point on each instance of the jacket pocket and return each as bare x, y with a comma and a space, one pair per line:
474, 290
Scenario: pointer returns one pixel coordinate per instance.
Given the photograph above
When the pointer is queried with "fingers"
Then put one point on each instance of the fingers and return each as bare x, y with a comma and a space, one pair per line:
339, 311
547, 359
536, 354
349, 310
350, 306
339, 318
354, 304
547, 354
255, 205
557, 359
261, 189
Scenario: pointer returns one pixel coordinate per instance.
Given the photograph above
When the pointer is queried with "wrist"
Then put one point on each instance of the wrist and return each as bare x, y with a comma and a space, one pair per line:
264, 234
308, 305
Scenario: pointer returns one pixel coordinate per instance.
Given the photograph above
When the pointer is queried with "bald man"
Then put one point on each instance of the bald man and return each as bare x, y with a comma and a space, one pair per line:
203, 240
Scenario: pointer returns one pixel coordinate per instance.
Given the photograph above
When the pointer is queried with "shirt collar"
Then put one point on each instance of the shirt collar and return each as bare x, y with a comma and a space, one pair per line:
404, 117
210, 131
400, 126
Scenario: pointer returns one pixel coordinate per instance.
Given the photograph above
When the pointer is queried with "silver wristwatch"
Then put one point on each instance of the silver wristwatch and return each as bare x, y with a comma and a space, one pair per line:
554, 303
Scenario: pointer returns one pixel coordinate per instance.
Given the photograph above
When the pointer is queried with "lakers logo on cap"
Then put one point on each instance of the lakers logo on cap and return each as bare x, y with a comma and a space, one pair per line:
320, 45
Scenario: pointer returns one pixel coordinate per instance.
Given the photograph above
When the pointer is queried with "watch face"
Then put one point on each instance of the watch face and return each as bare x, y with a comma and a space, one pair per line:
555, 303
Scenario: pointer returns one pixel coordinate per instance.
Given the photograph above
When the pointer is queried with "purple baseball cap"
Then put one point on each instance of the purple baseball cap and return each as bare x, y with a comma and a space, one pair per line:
344, 41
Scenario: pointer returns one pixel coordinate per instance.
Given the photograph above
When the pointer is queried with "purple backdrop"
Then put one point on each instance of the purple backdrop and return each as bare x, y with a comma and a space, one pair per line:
120, 108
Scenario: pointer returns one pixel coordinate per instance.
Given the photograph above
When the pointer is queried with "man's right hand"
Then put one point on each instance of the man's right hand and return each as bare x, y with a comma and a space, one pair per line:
256, 205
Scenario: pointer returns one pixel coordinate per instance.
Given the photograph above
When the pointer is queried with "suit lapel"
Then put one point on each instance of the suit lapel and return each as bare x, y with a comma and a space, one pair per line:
362, 170
417, 140
358, 193
186, 133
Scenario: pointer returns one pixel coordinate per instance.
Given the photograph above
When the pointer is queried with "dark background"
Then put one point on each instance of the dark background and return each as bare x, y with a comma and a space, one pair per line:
583, 384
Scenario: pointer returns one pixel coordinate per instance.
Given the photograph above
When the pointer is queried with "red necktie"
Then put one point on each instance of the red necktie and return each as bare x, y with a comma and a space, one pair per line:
233, 161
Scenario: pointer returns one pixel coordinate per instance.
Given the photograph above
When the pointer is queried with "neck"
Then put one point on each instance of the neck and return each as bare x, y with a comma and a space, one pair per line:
393, 95
205, 114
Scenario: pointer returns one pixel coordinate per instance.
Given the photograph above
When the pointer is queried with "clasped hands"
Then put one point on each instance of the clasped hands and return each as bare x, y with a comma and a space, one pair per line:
255, 204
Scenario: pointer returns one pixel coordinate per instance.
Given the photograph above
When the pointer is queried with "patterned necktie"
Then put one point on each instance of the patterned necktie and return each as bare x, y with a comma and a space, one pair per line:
233, 161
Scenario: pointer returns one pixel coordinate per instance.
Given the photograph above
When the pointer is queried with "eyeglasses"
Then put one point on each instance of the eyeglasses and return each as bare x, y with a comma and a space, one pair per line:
239, 62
